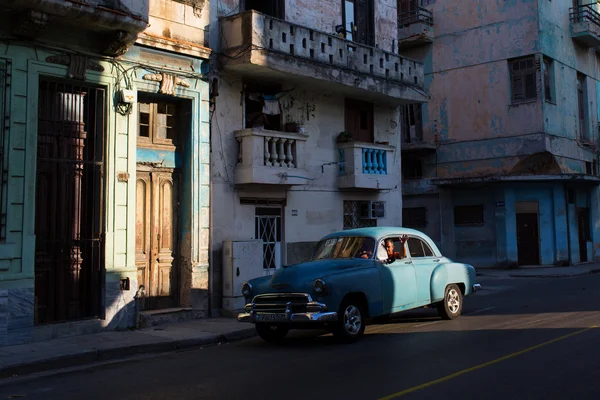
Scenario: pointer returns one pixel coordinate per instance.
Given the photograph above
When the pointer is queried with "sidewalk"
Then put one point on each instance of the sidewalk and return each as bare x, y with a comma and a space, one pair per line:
111, 345
541, 272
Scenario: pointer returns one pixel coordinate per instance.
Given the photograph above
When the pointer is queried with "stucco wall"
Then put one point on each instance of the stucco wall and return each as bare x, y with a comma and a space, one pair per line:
319, 203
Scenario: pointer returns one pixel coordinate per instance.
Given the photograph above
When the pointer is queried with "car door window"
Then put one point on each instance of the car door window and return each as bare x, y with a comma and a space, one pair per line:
418, 248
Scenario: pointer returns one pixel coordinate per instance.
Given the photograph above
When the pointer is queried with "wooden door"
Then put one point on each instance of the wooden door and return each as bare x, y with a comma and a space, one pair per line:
364, 17
157, 236
528, 242
359, 120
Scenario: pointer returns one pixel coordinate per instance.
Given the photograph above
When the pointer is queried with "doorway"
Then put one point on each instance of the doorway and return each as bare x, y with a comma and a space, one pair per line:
528, 237
268, 228
358, 17
161, 127
69, 247
583, 232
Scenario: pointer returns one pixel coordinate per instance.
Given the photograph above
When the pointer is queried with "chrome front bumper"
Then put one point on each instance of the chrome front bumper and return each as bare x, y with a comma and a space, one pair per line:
315, 313
476, 287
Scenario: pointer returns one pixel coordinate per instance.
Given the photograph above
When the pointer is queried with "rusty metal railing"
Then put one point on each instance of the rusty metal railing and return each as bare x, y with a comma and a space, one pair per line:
585, 13
414, 16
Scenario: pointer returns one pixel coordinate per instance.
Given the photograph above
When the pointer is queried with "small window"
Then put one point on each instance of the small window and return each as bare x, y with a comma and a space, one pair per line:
415, 217
412, 123
523, 79
418, 248
158, 121
548, 80
468, 215
352, 216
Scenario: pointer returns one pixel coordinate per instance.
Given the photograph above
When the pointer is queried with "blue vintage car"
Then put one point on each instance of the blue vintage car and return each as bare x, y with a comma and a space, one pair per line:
355, 275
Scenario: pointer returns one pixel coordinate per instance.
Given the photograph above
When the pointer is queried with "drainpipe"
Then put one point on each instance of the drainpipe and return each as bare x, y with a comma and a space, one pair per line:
84, 13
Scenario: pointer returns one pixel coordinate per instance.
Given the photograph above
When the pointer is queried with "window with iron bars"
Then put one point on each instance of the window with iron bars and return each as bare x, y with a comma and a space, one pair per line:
4, 126
352, 217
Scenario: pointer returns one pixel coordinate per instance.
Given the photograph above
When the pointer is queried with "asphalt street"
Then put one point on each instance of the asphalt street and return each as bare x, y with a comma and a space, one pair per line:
520, 338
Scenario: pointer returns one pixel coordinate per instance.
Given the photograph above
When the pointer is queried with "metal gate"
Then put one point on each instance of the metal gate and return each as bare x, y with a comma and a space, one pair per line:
267, 226
69, 262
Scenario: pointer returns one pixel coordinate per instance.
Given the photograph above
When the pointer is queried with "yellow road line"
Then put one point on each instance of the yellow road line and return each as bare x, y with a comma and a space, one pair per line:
486, 364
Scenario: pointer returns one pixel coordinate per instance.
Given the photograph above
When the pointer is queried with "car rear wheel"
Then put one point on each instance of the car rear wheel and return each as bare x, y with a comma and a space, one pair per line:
351, 321
272, 333
451, 306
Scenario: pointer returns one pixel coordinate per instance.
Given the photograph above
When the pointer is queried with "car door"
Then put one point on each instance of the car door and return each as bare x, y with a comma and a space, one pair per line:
398, 280
424, 261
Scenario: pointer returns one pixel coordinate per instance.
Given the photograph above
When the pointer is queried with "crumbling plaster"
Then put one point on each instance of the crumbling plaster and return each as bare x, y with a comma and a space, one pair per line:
467, 75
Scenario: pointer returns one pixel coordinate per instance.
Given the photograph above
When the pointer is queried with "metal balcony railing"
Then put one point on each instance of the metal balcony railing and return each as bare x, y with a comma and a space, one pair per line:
585, 13
415, 16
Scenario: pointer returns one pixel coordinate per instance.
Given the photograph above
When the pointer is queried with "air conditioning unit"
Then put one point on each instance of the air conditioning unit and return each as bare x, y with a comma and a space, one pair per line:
372, 209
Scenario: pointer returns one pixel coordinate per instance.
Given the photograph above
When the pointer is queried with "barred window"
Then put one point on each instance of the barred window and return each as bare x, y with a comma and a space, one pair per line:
352, 217
4, 126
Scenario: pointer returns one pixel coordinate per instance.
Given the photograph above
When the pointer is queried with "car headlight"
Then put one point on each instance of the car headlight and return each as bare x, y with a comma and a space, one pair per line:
319, 286
247, 289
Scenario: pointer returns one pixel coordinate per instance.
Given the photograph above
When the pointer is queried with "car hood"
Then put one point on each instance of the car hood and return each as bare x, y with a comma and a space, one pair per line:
297, 277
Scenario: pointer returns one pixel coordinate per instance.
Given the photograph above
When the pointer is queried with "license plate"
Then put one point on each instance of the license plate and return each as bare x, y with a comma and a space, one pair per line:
270, 318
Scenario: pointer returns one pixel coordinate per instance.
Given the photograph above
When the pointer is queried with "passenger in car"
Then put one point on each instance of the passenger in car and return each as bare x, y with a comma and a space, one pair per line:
396, 255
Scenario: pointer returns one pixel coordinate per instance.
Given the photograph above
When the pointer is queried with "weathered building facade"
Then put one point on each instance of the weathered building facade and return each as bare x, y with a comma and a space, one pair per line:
501, 166
305, 129
104, 148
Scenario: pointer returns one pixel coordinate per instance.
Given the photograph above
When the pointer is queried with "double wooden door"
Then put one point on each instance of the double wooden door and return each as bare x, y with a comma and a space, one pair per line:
157, 236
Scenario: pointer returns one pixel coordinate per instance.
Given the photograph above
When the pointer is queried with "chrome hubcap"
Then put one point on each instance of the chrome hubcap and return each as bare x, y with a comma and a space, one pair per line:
352, 320
453, 301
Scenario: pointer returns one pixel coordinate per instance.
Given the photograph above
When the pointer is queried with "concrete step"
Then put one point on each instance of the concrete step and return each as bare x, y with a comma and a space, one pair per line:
149, 318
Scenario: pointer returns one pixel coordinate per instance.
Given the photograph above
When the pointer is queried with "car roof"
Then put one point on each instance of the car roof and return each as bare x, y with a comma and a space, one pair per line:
376, 232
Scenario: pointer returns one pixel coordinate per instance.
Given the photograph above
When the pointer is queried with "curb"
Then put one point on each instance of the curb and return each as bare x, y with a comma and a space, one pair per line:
567, 275
115, 353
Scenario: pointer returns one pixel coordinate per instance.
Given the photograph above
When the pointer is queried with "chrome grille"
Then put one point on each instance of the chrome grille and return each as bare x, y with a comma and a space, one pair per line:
279, 302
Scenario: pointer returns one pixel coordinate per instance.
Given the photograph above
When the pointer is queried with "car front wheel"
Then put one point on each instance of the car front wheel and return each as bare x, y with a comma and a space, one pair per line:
351, 321
451, 306
272, 333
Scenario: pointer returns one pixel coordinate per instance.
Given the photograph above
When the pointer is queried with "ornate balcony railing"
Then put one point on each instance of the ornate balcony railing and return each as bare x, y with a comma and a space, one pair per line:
366, 165
270, 157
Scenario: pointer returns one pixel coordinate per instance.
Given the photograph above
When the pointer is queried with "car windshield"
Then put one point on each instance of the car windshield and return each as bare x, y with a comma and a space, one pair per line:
344, 247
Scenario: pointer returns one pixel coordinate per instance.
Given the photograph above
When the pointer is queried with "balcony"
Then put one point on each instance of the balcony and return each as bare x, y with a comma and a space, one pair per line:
102, 26
263, 47
270, 158
585, 25
415, 28
366, 166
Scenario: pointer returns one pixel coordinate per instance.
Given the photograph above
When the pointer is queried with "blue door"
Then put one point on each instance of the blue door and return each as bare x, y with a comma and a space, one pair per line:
424, 262
398, 281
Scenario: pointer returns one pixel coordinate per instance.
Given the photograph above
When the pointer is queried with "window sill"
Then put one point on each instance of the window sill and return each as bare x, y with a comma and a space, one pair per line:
550, 102
520, 103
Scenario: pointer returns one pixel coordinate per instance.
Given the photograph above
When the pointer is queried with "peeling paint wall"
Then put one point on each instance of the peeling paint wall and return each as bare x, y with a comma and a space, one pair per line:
481, 133
177, 26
